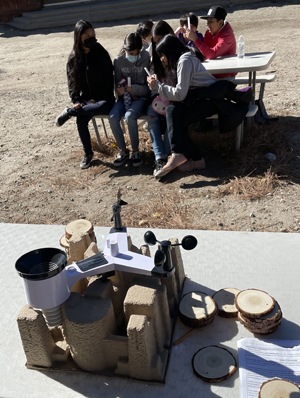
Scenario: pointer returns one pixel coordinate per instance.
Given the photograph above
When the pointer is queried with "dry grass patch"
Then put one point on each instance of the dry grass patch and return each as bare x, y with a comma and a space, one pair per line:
254, 175
163, 211
263, 139
251, 187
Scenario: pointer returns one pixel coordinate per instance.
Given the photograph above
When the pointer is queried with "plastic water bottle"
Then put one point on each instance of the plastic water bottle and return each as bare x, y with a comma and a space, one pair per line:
241, 47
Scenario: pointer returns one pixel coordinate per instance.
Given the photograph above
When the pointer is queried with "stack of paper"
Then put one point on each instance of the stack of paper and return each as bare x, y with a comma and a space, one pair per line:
260, 361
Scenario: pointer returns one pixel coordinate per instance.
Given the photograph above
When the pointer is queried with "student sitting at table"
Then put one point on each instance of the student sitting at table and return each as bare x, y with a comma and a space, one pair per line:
190, 73
133, 91
219, 38
157, 121
211, 97
90, 82
180, 32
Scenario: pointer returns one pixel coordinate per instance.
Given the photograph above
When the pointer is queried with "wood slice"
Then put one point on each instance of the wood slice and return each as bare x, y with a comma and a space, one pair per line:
213, 364
267, 319
258, 327
254, 303
225, 300
197, 309
279, 388
265, 331
64, 242
82, 226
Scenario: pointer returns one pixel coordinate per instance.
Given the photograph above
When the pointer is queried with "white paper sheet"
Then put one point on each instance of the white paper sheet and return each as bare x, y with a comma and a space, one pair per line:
260, 361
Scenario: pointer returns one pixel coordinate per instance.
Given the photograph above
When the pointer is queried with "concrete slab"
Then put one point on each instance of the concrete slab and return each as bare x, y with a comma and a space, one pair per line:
265, 261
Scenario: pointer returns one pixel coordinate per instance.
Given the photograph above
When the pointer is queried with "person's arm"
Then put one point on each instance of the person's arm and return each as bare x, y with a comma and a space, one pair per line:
141, 88
222, 46
73, 92
118, 72
108, 75
179, 30
118, 76
184, 76
200, 35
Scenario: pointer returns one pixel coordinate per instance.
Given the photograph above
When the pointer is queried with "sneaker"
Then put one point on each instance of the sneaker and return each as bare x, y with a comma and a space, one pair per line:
86, 161
192, 165
121, 158
62, 118
136, 158
158, 165
175, 160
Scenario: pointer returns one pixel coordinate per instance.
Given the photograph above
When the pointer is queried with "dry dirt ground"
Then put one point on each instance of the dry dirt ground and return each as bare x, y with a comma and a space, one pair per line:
41, 181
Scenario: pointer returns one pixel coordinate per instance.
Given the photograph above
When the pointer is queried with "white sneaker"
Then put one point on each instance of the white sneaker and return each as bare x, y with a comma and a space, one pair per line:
192, 165
175, 160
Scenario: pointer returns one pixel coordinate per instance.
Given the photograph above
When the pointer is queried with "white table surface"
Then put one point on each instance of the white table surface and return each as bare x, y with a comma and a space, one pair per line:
266, 261
252, 62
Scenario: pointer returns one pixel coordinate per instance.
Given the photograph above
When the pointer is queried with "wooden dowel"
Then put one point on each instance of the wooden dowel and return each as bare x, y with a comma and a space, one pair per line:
183, 337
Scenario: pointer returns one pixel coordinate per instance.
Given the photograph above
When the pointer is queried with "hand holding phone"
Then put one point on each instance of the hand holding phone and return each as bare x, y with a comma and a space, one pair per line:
148, 73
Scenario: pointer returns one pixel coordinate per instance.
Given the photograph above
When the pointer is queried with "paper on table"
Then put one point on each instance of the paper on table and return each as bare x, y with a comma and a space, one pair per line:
260, 361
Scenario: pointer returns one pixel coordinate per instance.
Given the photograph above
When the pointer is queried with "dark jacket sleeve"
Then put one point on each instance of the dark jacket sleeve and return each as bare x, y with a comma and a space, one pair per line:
74, 94
100, 75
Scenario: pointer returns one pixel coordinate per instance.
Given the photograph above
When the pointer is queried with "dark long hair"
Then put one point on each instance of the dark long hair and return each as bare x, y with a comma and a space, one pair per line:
193, 19
78, 53
133, 41
173, 48
144, 28
160, 28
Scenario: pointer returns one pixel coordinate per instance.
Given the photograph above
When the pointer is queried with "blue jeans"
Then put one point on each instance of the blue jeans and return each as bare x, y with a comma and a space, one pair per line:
84, 115
161, 148
134, 112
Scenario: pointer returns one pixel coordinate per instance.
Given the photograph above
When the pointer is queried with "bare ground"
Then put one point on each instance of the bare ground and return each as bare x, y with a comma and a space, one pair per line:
41, 181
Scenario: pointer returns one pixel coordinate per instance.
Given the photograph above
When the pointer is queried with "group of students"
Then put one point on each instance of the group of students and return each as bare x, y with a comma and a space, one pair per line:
158, 72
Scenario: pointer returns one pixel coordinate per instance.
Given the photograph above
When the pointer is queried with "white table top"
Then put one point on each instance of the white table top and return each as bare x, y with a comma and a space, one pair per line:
251, 62
266, 261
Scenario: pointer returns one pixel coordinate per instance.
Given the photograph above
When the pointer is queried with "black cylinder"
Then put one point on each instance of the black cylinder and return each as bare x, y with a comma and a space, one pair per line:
41, 263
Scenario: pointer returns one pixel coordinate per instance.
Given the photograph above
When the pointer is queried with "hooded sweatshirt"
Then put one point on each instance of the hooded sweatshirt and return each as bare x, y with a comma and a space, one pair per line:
94, 78
190, 74
222, 43
135, 70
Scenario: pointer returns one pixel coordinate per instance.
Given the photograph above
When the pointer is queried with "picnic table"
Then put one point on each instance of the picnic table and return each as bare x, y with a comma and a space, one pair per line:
251, 63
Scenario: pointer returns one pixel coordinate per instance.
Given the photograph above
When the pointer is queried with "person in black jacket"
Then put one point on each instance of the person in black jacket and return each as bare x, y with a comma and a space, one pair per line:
91, 84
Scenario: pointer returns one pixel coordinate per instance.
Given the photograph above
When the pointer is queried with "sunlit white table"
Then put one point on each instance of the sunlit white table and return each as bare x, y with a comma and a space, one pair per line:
261, 260
251, 63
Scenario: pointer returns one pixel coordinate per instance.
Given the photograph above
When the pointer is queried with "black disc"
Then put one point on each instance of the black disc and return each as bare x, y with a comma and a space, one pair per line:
189, 242
150, 238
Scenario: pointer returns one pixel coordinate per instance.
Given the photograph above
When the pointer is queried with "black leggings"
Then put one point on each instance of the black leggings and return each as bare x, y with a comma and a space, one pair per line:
179, 118
84, 115
199, 104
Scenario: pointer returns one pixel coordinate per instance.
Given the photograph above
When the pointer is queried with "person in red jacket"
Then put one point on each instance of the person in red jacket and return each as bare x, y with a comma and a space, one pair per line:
219, 38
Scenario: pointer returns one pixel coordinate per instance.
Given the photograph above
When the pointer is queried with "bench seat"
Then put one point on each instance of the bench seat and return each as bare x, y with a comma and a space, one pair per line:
263, 79
239, 131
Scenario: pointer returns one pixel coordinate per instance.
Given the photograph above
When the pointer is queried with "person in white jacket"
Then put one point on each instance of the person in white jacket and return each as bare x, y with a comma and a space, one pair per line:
190, 74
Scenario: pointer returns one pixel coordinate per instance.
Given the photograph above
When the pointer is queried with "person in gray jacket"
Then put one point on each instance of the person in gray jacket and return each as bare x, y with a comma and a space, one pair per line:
132, 90
197, 95
190, 74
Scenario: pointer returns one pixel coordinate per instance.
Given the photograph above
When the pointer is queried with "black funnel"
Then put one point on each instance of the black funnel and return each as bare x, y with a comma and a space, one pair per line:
41, 263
